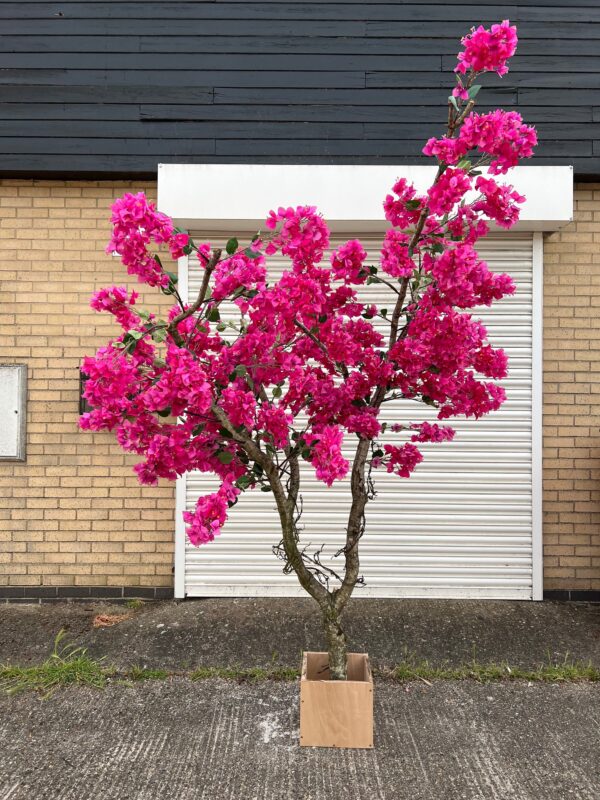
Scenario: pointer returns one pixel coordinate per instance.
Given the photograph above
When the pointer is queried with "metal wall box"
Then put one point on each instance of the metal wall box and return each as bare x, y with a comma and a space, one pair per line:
13, 413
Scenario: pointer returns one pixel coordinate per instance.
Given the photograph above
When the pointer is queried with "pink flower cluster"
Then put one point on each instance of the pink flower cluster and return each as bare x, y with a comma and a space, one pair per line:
498, 134
117, 301
395, 258
327, 457
309, 367
464, 280
432, 433
136, 223
448, 190
210, 514
488, 50
347, 262
238, 272
499, 202
405, 209
301, 234
402, 460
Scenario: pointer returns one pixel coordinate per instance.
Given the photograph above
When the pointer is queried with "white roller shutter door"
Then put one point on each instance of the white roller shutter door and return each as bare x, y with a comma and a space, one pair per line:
461, 526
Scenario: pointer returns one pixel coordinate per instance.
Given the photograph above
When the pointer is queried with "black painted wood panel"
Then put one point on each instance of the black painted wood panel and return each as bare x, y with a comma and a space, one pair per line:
113, 88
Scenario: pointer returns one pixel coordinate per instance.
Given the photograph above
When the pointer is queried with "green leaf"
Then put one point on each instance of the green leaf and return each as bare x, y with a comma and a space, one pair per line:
383, 312
257, 469
158, 261
143, 314
305, 452
252, 253
464, 163
232, 246
197, 430
413, 204
437, 248
241, 370
225, 457
452, 100
265, 488
213, 315
372, 279
221, 327
378, 453
373, 270
277, 391
474, 91
164, 412
323, 318
137, 335
172, 275
243, 482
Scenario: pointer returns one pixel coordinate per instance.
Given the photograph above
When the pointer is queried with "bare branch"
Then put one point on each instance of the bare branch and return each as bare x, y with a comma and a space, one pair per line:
172, 329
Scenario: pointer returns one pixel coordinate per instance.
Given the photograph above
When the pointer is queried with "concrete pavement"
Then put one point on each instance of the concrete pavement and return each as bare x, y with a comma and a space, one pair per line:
217, 740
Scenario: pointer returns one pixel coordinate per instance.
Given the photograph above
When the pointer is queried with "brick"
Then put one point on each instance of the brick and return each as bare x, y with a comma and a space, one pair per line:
52, 236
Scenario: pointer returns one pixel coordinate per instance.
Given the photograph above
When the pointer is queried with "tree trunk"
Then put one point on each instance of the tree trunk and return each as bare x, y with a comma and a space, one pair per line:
337, 645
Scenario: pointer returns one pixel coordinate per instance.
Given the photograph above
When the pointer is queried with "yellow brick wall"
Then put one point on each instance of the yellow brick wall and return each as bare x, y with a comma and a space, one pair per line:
572, 398
73, 514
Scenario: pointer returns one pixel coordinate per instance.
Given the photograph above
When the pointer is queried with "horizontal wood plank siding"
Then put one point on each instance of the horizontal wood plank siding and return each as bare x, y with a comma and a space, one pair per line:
113, 88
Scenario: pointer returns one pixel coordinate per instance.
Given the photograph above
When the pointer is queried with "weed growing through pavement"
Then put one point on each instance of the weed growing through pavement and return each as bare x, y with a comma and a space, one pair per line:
70, 665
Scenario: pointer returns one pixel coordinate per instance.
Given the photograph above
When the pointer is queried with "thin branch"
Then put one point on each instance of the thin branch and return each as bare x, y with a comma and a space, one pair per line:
341, 367
172, 329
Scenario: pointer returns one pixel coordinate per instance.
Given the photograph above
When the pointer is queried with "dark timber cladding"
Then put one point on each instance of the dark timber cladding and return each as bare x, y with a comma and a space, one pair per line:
112, 88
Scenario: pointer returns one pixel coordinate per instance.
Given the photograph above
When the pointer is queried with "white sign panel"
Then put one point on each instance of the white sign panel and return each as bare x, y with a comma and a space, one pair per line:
13, 389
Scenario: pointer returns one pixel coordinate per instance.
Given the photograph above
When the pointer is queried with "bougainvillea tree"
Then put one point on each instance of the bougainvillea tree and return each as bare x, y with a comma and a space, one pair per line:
305, 365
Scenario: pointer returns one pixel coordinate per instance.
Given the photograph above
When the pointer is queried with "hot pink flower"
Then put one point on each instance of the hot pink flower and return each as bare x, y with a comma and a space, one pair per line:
404, 209
395, 259
488, 50
327, 457
210, 514
302, 235
347, 262
450, 188
402, 460
117, 301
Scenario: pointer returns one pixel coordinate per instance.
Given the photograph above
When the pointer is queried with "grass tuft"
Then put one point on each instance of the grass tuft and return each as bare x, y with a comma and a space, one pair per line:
145, 674
566, 671
135, 603
68, 664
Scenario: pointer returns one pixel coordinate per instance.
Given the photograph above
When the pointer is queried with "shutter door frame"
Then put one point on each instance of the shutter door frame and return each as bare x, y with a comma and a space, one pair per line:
533, 591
